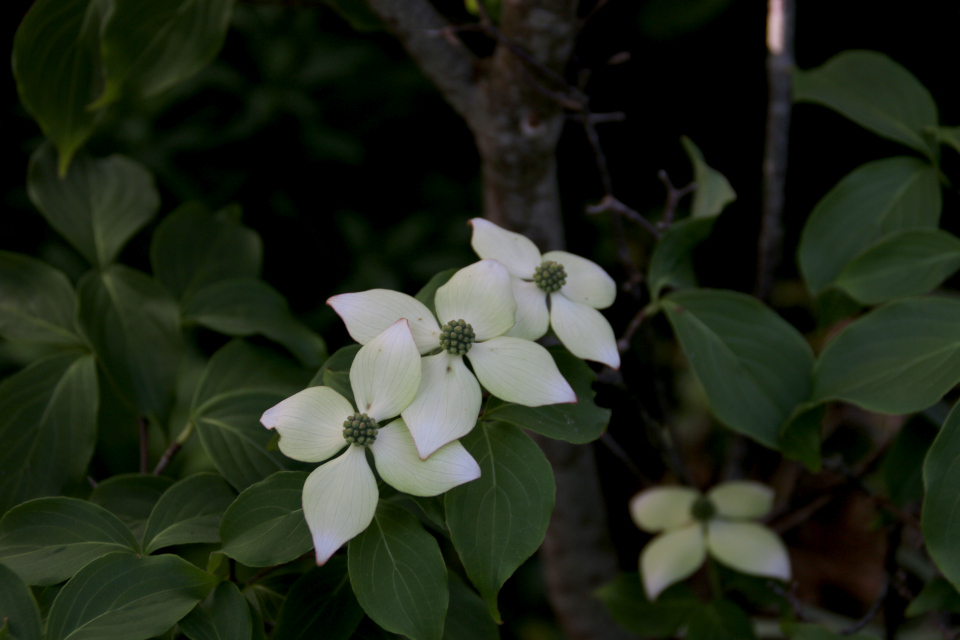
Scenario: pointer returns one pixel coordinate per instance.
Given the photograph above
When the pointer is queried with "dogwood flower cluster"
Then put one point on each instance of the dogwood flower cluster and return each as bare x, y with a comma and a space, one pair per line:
691, 525
413, 367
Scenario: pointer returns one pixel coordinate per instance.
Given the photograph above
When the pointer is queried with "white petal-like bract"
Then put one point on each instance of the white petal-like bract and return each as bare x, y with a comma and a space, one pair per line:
514, 251
748, 547
533, 317
583, 330
482, 295
671, 557
310, 423
385, 374
663, 508
369, 313
339, 500
401, 467
586, 281
447, 404
741, 499
519, 371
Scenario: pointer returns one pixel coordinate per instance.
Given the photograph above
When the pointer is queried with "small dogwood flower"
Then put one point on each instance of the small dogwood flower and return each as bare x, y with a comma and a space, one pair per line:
340, 497
574, 286
475, 308
694, 524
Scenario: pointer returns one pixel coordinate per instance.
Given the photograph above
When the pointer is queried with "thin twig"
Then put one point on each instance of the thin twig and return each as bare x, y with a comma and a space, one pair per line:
674, 196
623, 344
622, 455
611, 204
173, 449
143, 427
837, 465
791, 597
871, 613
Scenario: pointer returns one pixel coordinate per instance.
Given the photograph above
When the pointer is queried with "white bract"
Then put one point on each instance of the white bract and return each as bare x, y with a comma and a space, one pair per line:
476, 307
340, 497
694, 525
574, 286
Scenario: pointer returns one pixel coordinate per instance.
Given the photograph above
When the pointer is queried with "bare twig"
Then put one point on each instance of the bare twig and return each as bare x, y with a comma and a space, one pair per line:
674, 196
623, 344
622, 455
791, 597
871, 613
173, 449
611, 204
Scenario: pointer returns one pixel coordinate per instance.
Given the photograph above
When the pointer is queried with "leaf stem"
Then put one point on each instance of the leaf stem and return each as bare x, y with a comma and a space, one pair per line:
174, 447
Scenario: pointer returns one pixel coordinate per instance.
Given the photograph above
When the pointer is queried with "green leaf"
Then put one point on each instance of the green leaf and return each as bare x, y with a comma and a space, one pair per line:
798, 631
188, 512
499, 520
193, 248
800, 436
98, 206
940, 519
720, 620
671, 265
48, 426
899, 358
467, 617
56, 62
874, 200
358, 14
147, 47
134, 327
19, 615
131, 498
628, 604
125, 597
264, 526
335, 372
240, 382
398, 574
875, 92
47, 540
903, 264
902, 465
245, 306
224, 615
37, 302
427, 294
579, 423
754, 366
320, 604
936, 595
950, 136
713, 192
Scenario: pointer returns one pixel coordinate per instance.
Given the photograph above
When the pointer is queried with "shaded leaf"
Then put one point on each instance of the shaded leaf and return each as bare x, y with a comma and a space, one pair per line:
48, 423
19, 615
131, 498
940, 519
47, 540
224, 615
37, 302
754, 366
499, 520
713, 192
320, 604
719, 620
936, 595
265, 525
427, 294
188, 512
398, 574
798, 631
626, 601
902, 465
335, 372
671, 265
98, 205
467, 617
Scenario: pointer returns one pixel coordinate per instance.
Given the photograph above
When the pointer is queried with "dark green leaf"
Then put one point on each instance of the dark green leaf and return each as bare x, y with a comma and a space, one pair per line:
399, 576
665, 19
671, 265
358, 14
150, 46
580, 422
321, 604
797, 631
873, 91
498, 521
628, 604
265, 526
713, 192
950, 136
899, 358
188, 512
125, 597
427, 294
719, 620
246, 306
903, 264
800, 436
37, 302
98, 205
56, 61
19, 614
874, 200
902, 466
224, 615
467, 617
754, 367
193, 248
131, 498
48, 423
242, 381
941, 516
47, 540
134, 327
936, 595
335, 372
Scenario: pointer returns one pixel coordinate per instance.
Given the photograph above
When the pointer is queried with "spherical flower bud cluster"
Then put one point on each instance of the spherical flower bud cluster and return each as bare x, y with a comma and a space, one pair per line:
457, 337
550, 276
360, 429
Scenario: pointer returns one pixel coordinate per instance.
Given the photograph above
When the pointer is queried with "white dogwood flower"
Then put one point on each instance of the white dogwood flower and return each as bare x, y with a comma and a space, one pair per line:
475, 308
340, 497
694, 525
574, 286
